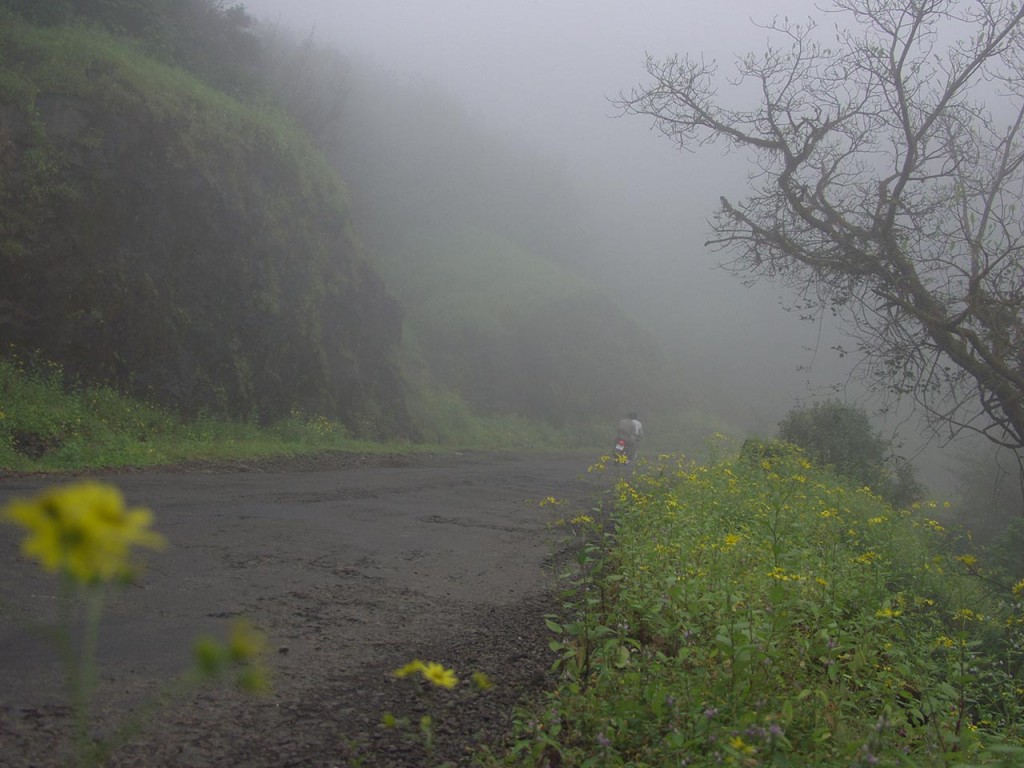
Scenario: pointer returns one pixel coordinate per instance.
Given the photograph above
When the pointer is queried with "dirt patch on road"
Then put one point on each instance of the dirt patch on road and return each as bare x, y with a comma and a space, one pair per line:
352, 565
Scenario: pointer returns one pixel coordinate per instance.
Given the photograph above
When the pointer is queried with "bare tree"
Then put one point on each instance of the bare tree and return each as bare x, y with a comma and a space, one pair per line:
888, 181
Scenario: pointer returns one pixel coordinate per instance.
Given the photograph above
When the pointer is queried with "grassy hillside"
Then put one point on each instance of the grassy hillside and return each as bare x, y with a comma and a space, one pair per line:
161, 237
513, 332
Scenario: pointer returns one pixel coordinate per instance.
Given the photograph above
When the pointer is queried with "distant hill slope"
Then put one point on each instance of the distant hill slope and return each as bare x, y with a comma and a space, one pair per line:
161, 237
482, 241
514, 332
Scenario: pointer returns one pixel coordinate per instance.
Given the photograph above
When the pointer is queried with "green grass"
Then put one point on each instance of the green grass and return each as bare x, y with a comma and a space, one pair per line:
46, 427
765, 613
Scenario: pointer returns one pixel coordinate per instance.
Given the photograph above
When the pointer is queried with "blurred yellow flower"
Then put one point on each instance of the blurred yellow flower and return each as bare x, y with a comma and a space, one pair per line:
482, 681
432, 671
737, 743
84, 530
241, 655
245, 642
439, 676
411, 668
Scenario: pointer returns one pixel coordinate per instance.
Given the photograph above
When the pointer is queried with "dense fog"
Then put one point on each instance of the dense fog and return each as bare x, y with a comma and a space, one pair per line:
542, 75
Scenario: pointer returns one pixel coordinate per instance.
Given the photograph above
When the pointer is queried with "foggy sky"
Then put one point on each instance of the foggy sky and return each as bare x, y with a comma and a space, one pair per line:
542, 71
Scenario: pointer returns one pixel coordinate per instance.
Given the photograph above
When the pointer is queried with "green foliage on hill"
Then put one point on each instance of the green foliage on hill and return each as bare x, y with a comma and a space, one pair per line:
485, 245
514, 332
211, 40
159, 236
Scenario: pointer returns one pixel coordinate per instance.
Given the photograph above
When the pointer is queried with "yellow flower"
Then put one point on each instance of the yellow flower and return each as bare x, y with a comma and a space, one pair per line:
966, 614
245, 642
582, 520
866, 558
241, 656
439, 676
888, 613
84, 530
731, 540
737, 743
969, 560
433, 672
482, 681
411, 668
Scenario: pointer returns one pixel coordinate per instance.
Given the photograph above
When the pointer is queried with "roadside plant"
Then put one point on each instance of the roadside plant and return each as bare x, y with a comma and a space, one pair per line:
87, 536
433, 677
765, 612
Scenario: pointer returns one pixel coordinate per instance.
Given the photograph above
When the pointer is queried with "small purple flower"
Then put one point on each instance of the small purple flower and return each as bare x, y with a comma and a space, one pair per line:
603, 740
710, 712
775, 730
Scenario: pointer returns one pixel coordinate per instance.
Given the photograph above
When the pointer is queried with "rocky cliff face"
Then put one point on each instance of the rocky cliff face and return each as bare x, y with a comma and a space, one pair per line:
156, 236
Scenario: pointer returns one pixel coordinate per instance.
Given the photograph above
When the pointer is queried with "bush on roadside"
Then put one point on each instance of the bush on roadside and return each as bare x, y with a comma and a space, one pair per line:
769, 613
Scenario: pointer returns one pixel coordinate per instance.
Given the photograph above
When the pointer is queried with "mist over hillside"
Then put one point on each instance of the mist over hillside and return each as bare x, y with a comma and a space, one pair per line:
538, 81
634, 210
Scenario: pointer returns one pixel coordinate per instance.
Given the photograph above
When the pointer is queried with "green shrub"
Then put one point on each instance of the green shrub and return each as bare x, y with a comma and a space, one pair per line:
840, 436
768, 613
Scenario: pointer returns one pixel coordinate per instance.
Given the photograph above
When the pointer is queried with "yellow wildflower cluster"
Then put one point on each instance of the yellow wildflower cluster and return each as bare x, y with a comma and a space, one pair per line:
966, 614
866, 558
738, 744
83, 530
432, 672
731, 540
888, 612
242, 653
582, 520
779, 574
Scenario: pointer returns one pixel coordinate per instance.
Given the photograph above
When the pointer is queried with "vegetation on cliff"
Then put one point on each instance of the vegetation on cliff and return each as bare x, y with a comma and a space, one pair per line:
175, 243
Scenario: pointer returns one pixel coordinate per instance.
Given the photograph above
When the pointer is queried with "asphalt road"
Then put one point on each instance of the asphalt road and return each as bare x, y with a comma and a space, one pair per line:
351, 565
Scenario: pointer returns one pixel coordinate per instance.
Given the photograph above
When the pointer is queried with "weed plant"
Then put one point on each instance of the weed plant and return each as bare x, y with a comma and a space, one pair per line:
47, 426
763, 612
44, 426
